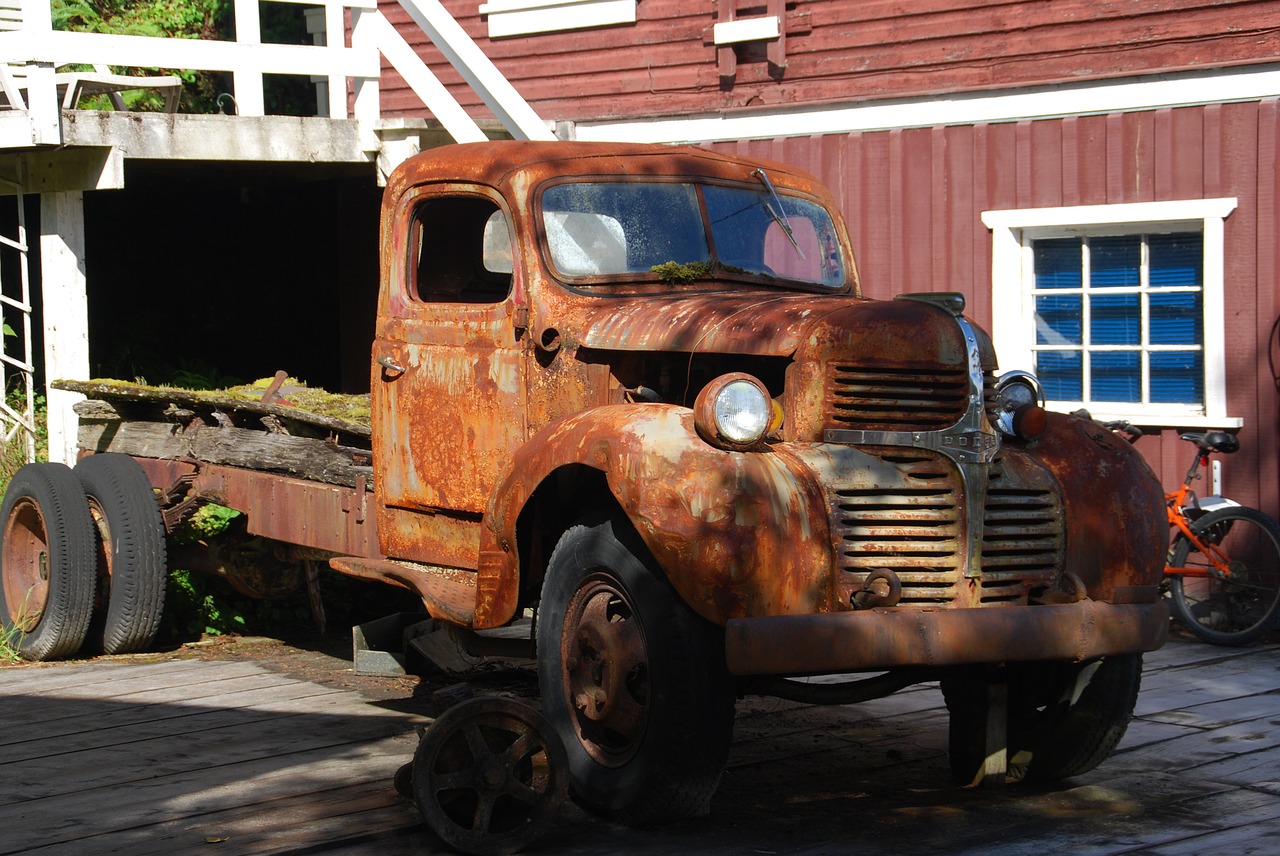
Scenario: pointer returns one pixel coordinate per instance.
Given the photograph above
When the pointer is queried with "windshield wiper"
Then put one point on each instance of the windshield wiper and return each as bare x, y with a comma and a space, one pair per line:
778, 214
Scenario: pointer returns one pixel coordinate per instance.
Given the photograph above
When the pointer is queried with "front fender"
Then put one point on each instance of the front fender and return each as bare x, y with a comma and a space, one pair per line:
736, 533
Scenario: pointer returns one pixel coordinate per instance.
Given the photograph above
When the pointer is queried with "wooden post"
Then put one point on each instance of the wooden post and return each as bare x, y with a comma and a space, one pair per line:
65, 313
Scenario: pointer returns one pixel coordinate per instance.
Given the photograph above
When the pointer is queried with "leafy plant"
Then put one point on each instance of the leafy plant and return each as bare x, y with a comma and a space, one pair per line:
681, 271
282, 23
12, 634
13, 454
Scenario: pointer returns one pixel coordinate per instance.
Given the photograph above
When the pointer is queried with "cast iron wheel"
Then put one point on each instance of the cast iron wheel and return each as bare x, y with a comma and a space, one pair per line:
632, 680
489, 776
46, 562
1064, 719
132, 565
1245, 606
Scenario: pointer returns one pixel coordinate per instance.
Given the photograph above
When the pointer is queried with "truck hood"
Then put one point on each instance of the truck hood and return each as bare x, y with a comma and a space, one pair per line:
757, 322
810, 327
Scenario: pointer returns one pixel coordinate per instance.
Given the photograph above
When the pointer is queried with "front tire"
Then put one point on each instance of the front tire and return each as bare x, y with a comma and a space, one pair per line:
46, 562
1064, 719
632, 680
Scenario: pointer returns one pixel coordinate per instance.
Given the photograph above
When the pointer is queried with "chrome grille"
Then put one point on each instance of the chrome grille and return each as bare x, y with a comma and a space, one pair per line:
913, 525
895, 399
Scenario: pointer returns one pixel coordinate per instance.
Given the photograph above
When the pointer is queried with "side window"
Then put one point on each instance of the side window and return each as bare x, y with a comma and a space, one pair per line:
461, 251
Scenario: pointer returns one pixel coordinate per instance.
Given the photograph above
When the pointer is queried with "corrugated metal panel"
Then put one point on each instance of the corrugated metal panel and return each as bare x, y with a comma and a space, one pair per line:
914, 198
847, 50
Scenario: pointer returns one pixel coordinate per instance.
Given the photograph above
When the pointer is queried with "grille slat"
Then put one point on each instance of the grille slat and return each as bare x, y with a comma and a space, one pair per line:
895, 399
911, 522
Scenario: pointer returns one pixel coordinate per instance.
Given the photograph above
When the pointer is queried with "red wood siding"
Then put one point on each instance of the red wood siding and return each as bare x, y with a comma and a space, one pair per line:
847, 50
914, 198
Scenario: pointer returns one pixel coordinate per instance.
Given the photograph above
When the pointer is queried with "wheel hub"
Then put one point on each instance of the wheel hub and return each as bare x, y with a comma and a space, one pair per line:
26, 566
606, 671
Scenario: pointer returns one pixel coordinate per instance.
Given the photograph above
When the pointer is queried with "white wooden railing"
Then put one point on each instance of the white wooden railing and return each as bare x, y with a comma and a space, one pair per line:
39, 50
31, 113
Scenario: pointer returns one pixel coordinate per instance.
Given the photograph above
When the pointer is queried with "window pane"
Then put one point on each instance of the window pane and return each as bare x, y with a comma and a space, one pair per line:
1177, 377
1058, 319
1176, 259
1058, 263
1060, 373
1176, 318
1116, 376
1115, 319
1115, 262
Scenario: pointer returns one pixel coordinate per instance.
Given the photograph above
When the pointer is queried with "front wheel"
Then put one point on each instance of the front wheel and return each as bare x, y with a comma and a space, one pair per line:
1243, 604
632, 680
1064, 719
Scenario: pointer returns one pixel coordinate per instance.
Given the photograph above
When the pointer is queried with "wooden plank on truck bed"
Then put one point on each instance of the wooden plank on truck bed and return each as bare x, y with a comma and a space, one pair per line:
354, 409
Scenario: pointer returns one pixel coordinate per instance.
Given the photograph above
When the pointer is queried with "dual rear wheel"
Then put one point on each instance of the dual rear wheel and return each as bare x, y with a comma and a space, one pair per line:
82, 559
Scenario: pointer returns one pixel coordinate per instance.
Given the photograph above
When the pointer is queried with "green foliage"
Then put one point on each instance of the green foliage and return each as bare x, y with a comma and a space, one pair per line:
195, 604
681, 271
188, 19
281, 23
207, 522
13, 454
10, 644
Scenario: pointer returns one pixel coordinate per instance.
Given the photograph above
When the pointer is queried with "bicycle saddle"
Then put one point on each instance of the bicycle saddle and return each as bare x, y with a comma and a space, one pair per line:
1213, 441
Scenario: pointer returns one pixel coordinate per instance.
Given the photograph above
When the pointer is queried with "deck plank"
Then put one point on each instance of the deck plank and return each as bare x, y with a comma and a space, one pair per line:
166, 757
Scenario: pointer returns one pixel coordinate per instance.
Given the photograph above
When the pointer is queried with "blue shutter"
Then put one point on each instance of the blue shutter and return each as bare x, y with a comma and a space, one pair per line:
1177, 377
1115, 319
1058, 263
1059, 319
1115, 262
1060, 372
1115, 376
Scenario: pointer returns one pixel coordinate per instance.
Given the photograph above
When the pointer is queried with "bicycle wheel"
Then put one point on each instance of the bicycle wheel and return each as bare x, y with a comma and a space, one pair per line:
1242, 605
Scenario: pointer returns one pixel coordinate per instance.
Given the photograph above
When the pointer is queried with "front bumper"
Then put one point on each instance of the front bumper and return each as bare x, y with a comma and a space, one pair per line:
874, 639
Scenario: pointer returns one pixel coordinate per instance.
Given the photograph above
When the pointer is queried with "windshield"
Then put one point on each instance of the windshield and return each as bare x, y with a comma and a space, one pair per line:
611, 229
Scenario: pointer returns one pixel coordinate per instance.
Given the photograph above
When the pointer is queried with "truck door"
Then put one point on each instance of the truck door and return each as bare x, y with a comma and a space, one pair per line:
448, 377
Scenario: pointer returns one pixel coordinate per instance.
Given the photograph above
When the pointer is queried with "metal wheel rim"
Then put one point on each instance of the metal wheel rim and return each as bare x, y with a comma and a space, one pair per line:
605, 671
26, 570
490, 776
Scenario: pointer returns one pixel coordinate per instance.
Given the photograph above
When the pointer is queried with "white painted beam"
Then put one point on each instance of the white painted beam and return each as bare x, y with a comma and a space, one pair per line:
65, 312
423, 82
477, 70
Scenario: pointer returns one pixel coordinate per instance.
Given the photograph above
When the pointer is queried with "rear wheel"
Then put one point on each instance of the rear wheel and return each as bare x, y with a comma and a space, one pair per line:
1235, 608
46, 562
1064, 719
632, 680
132, 565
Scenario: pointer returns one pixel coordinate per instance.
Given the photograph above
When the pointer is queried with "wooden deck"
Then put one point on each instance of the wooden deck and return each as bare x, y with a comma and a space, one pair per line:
229, 757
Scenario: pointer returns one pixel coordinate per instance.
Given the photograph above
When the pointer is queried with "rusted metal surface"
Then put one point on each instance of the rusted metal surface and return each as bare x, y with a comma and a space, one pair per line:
888, 638
736, 533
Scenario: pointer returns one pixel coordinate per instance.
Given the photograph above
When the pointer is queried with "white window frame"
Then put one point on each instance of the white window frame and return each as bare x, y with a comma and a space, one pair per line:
1013, 278
524, 17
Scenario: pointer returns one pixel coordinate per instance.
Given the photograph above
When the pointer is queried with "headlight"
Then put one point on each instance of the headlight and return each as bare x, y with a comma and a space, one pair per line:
1020, 405
734, 411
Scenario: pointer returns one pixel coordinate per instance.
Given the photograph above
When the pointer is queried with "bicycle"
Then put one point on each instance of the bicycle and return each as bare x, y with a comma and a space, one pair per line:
1223, 567
1222, 571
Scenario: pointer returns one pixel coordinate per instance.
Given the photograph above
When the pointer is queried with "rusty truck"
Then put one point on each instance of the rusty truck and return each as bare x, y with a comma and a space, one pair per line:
634, 393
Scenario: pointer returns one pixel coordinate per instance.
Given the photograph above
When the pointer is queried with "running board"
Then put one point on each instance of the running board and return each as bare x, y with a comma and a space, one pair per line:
448, 593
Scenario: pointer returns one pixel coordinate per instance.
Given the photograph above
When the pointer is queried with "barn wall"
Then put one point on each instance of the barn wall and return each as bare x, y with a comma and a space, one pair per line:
840, 51
914, 198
